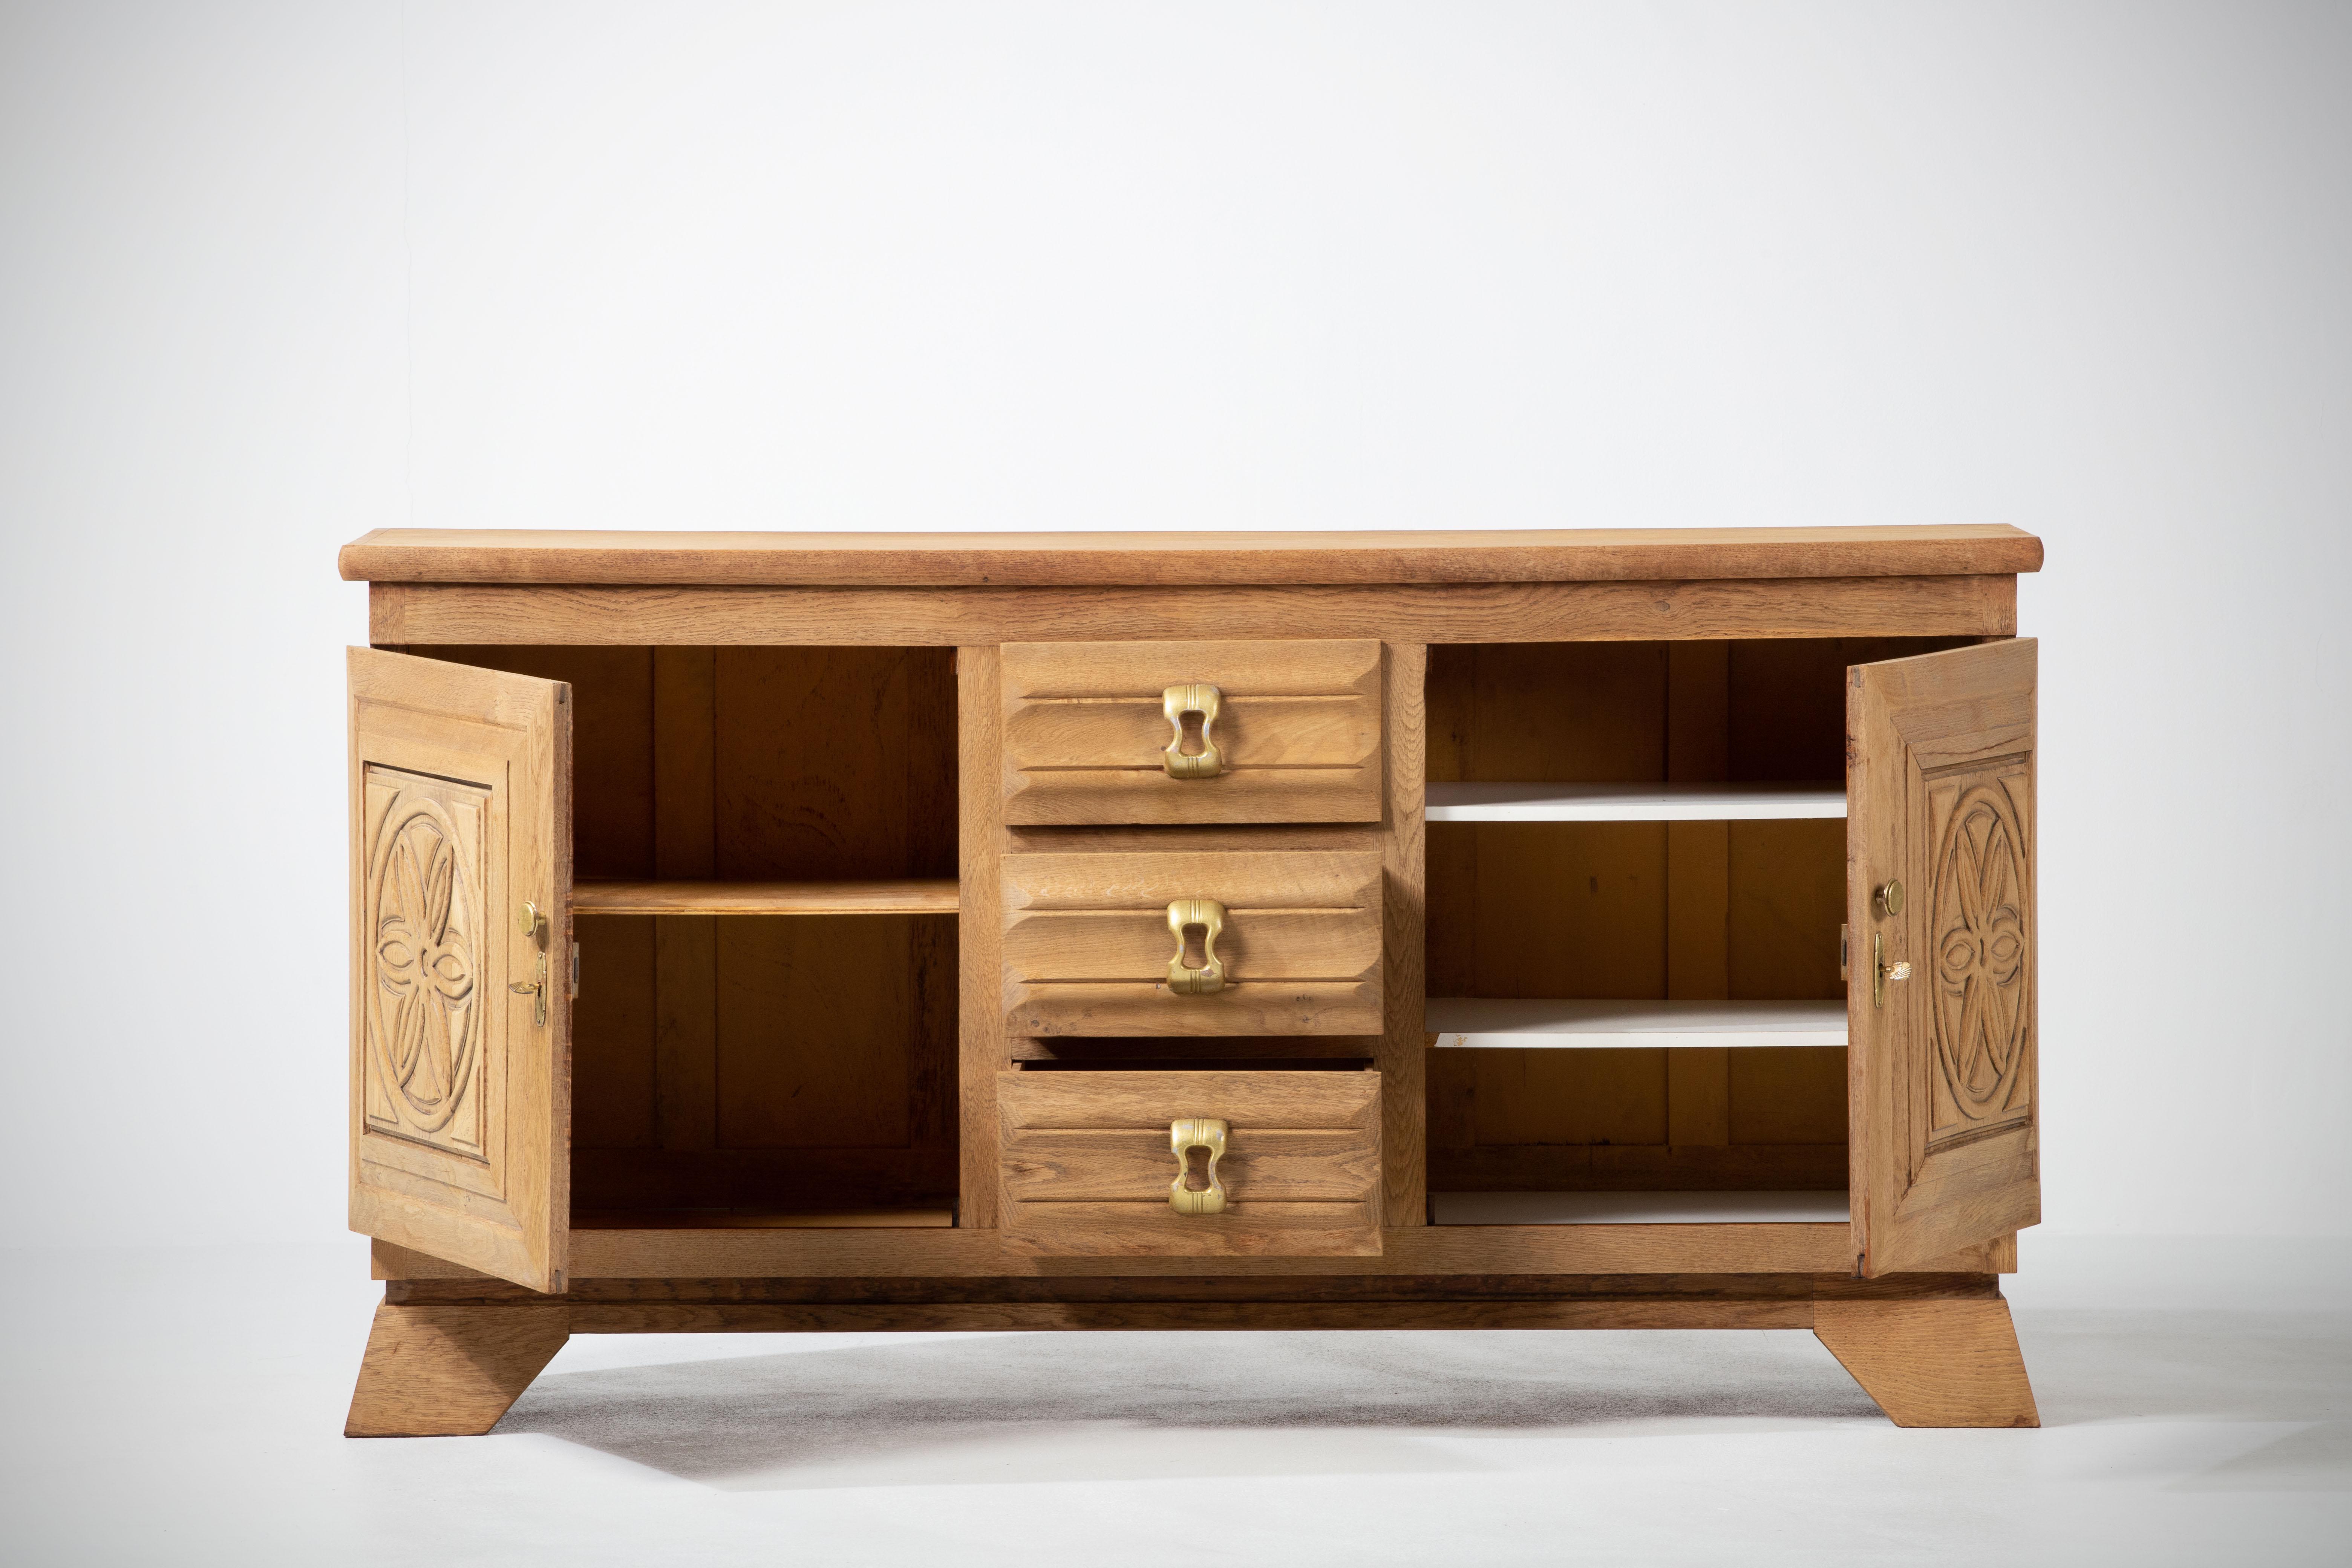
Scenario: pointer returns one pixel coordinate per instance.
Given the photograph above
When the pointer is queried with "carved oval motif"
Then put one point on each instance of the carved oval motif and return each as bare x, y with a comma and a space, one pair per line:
424, 1018
1981, 947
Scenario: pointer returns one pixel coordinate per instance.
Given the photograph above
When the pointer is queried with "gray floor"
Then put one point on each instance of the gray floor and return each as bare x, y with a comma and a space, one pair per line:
184, 1409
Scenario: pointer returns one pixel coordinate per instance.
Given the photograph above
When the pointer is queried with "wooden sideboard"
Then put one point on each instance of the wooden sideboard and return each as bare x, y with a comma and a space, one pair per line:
761, 931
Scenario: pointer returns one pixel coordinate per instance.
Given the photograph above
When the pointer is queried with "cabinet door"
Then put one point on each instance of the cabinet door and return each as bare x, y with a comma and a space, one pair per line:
1939, 799
461, 1062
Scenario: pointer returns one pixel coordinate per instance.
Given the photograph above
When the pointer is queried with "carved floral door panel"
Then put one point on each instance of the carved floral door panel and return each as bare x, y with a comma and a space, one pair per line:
1944, 1145
461, 814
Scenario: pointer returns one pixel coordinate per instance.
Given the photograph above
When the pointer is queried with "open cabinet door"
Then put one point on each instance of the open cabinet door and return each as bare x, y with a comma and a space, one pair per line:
461, 874
1940, 1004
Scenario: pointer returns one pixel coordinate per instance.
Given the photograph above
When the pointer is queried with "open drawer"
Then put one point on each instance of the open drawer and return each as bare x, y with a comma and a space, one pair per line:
1272, 1163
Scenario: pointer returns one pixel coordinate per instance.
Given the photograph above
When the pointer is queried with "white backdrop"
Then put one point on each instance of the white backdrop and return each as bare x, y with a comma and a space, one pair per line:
271, 276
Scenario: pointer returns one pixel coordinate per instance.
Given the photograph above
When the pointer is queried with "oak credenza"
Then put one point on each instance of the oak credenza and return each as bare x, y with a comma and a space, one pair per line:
1321, 931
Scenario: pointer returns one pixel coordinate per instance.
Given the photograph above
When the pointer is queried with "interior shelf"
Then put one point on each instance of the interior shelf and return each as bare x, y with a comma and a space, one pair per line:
1520, 1023
1631, 802
927, 896
1639, 1208
757, 1219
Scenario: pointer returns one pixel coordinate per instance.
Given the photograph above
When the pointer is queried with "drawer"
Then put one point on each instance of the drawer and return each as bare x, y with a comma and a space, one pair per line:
1268, 732
1087, 1163
1090, 940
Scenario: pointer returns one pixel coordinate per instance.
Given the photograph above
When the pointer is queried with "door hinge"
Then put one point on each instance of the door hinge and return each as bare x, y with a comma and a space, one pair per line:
574, 992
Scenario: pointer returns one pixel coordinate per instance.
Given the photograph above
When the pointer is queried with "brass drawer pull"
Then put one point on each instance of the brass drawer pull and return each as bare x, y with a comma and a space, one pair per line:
1209, 975
1185, 1135
1205, 699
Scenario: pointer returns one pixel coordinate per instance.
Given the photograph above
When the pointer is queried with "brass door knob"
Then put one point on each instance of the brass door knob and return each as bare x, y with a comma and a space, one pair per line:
1207, 977
1184, 1136
1177, 701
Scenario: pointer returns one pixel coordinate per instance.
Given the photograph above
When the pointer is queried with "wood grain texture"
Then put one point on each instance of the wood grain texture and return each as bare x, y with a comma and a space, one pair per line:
1298, 730
1134, 946
461, 1100
895, 1111
1653, 1312
870, 896
869, 1214
1426, 1249
835, 764
1115, 1287
613, 1017
615, 1083
1086, 943
1942, 1094
1267, 878
820, 1032
820, 1024
1787, 898
612, 705
1698, 879
450, 1371
1261, 1049
1087, 1165
1787, 707
1932, 1363
1638, 1167
1549, 910
1117, 1165
1161, 1303
1747, 1253
441, 1284
418, 612
957, 560
685, 846
760, 1180
1682, 909
1403, 1055
981, 1034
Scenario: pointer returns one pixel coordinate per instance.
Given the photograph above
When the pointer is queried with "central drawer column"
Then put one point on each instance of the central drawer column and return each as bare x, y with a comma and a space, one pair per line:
1184, 864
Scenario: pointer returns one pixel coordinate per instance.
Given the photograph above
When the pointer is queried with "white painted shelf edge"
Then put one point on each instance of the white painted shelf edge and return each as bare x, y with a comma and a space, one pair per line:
1631, 802
1513, 1023
1639, 1208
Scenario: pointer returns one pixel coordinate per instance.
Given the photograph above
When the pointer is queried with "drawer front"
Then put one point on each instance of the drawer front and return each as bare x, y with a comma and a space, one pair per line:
1295, 733
1087, 1165
1088, 943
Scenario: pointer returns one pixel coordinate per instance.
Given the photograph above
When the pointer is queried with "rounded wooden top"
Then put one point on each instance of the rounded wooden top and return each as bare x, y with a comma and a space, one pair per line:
1097, 559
